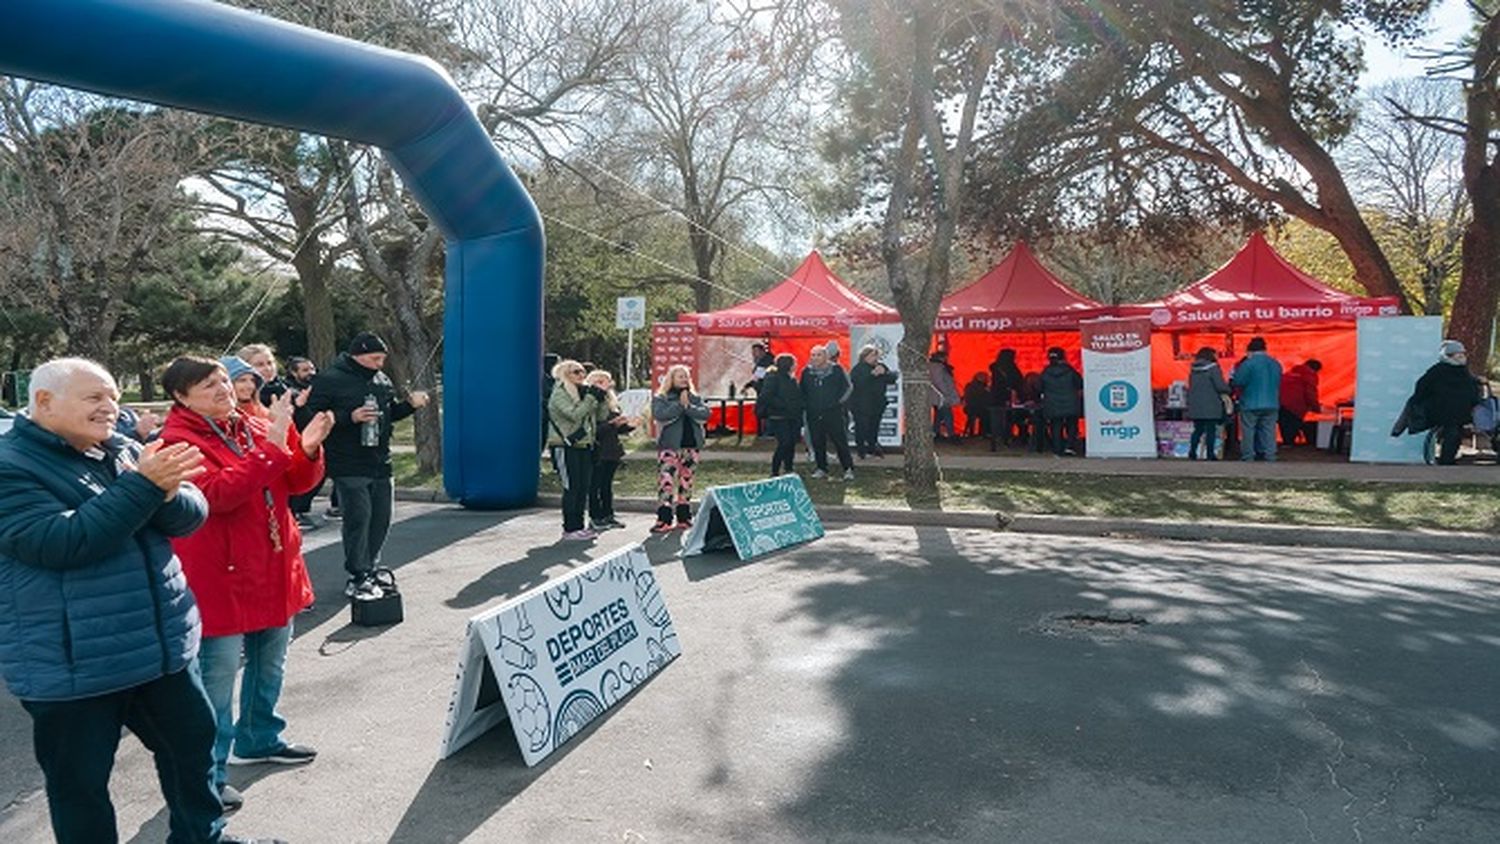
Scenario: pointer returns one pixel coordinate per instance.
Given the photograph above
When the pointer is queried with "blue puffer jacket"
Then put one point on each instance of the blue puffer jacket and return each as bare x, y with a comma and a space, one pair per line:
1259, 378
92, 599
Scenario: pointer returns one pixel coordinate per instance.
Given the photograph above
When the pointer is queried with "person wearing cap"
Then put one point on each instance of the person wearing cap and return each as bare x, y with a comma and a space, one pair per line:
361, 473
245, 564
1062, 401
1448, 393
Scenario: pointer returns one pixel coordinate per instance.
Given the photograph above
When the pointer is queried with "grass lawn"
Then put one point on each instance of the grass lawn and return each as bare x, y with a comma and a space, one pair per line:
1338, 503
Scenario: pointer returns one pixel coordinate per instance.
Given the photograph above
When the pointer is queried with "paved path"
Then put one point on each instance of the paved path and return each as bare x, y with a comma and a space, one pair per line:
896, 684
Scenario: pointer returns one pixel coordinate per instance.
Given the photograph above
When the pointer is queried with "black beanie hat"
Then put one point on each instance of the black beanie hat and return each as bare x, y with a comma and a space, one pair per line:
365, 343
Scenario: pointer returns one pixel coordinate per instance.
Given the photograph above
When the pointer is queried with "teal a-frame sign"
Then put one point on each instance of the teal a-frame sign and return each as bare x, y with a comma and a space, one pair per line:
754, 518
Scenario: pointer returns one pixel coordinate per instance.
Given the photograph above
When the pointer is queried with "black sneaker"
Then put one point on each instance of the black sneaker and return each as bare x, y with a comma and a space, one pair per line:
287, 754
333, 513
230, 798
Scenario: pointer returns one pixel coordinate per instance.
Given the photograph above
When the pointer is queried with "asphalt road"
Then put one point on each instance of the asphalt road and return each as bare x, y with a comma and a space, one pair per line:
901, 684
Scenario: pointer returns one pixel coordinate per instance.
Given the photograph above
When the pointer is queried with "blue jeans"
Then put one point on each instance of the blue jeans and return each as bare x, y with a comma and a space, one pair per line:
258, 731
1258, 434
76, 740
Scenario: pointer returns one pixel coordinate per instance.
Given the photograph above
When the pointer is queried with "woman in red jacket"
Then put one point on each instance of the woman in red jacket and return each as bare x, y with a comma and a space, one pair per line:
245, 564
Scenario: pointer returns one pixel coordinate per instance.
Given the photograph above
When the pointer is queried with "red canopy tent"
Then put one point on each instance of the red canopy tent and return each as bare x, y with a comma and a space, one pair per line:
1019, 304
1259, 292
811, 307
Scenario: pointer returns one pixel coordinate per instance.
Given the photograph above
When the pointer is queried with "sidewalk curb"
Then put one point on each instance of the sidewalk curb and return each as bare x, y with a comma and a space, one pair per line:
1364, 539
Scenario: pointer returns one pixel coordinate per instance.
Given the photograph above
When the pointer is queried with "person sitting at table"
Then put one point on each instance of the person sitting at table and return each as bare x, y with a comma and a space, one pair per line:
1007, 389
977, 405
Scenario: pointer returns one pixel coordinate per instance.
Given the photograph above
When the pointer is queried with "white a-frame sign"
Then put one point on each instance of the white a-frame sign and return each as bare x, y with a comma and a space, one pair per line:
557, 657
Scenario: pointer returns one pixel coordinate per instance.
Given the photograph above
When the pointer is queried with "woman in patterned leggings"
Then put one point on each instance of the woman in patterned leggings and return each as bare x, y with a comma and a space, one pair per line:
681, 413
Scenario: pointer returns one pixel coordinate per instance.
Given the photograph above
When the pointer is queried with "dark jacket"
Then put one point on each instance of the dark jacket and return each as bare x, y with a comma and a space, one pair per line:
1206, 389
674, 419
272, 389
1258, 375
824, 391
607, 439
869, 395
780, 397
342, 388
92, 599
976, 397
1007, 385
1061, 391
1448, 393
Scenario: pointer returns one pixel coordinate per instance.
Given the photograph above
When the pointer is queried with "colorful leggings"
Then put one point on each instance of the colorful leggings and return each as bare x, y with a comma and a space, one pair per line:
674, 481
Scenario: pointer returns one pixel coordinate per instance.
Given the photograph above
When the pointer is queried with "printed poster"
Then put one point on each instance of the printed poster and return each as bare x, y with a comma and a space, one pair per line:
754, 518
1393, 354
1117, 406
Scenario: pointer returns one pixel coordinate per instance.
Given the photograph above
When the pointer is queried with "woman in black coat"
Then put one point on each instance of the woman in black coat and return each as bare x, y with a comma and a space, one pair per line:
1448, 393
779, 403
871, 382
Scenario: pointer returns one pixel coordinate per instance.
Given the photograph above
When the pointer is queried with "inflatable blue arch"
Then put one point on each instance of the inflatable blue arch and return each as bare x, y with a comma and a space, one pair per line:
211, 58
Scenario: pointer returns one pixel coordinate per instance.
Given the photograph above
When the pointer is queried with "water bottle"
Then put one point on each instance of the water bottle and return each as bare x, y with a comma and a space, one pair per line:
369, 431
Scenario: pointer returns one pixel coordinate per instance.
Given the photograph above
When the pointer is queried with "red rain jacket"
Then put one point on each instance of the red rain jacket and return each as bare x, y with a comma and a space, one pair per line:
243, 583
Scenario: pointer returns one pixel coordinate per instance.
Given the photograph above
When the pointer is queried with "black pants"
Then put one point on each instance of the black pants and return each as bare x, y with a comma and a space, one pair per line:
575, 468
787, 431
366, 503
1208, 431
1063, 431
602, 491
867, 431
829, 425
1290, 424
76, 740
301, 505
1448, 437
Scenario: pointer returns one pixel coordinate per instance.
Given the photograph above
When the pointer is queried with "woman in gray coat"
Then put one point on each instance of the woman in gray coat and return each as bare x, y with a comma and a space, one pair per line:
681, 413
1206, 392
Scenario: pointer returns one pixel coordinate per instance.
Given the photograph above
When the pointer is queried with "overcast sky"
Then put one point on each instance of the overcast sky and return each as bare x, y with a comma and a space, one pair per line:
1450, 20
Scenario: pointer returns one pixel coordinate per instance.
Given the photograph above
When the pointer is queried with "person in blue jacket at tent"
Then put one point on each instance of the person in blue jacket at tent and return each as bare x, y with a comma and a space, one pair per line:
1258, 376
98, 630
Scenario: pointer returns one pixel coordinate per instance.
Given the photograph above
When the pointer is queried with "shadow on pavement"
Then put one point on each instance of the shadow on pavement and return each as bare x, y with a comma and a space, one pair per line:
1333, 696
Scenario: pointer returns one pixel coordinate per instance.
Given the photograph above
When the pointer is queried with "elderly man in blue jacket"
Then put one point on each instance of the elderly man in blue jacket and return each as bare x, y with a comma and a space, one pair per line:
1258, 376
98, 630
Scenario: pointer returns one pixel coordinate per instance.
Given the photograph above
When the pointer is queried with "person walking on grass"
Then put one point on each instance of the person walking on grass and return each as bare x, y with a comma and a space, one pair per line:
1258, 375
681, 413
609, 452
245, 564
1207, 394
574, 411
780, 404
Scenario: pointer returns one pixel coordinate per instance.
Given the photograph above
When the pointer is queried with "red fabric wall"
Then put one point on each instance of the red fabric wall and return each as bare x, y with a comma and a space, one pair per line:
1335, 346
973, 352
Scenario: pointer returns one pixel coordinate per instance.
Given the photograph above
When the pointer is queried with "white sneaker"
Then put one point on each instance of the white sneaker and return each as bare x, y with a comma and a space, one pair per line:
848, 474
820, 474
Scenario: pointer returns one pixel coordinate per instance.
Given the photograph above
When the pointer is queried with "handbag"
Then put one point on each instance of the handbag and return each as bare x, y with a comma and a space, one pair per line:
382, 606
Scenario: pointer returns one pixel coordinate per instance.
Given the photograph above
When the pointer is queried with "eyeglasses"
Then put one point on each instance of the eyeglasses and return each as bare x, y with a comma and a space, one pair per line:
578, 371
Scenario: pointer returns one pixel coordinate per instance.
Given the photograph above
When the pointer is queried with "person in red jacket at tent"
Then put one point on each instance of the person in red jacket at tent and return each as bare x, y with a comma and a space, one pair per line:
245, 564
1299, 397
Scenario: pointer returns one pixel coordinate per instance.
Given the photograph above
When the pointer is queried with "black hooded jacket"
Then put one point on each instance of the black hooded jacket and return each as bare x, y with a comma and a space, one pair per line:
342, 388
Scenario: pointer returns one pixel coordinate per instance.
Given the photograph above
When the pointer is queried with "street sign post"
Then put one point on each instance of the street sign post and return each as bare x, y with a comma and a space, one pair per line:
630, 314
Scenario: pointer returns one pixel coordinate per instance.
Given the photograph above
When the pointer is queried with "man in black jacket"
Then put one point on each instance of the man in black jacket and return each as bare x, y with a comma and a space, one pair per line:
825, 389
1448, 392
358, 451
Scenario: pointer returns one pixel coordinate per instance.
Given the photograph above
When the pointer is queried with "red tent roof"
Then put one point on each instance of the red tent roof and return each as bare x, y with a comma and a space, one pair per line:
812, 300
1018, 294
1258, 286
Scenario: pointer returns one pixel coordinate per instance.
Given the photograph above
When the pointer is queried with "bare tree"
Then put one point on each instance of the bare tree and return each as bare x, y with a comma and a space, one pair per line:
93, 189
1409, 174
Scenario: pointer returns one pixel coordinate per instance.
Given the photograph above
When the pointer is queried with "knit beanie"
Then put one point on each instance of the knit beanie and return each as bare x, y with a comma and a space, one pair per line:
366, 342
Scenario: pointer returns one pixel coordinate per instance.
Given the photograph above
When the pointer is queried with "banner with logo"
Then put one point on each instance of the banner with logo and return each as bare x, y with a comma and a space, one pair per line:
559, 656
672, 343
754, 518
1393, 353
887, 338
1117, 407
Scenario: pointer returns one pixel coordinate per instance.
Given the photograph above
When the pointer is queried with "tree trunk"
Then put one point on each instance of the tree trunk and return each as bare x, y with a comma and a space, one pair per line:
703, 262
148, 385
1473, 319
312, 273
919, 460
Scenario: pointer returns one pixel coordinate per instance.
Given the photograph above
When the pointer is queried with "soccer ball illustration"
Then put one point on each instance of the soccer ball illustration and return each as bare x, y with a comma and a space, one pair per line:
533, 716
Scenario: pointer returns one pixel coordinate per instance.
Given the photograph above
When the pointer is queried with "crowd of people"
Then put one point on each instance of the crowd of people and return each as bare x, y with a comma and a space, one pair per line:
159, 558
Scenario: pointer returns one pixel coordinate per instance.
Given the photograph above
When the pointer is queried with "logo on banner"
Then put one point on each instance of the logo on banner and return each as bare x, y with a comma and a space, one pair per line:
1161, 317
1119, 396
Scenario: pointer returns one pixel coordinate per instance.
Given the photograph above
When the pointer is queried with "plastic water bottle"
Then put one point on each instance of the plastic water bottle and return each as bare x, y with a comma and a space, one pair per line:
369, 431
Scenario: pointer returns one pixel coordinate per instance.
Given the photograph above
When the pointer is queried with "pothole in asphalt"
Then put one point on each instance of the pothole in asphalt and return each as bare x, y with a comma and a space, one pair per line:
1092, 624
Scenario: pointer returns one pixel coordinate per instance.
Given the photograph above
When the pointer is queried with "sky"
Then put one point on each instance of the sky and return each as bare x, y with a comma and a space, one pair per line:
1449, 22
